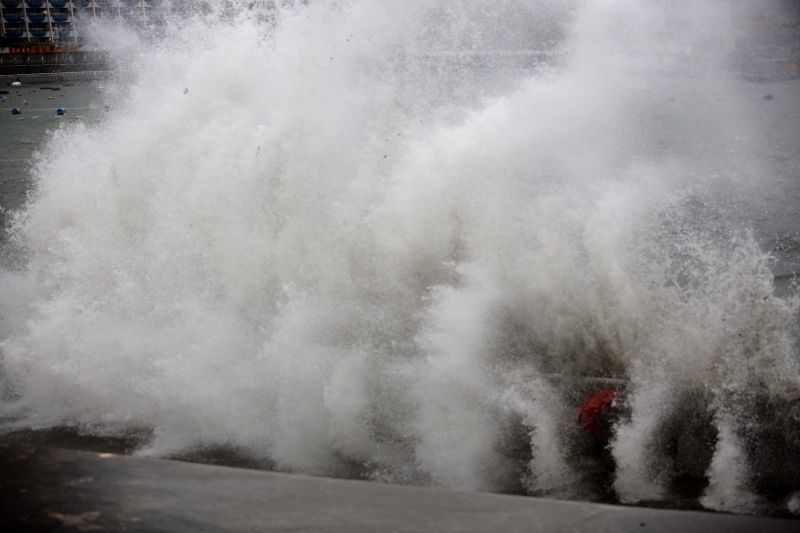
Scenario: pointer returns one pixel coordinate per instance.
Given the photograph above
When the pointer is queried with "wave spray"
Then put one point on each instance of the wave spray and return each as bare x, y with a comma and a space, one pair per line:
361, 238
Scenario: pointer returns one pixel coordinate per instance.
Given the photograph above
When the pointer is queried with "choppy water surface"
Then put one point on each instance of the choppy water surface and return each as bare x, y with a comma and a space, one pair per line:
23, 134
328, 241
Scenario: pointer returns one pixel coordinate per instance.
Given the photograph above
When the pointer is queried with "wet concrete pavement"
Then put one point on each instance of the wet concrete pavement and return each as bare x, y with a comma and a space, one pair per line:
47, 489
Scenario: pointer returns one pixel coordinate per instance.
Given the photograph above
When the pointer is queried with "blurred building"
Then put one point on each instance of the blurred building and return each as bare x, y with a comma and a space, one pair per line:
762, 37
57, 25
768, 41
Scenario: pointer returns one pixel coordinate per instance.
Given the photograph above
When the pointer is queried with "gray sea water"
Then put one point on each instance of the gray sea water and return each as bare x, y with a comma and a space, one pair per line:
26, 133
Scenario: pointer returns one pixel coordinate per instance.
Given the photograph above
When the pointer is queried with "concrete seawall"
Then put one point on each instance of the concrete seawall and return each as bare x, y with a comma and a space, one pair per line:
46, 489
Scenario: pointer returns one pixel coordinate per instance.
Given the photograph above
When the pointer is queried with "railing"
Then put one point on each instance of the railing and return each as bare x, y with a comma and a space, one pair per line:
46, 77
55, 58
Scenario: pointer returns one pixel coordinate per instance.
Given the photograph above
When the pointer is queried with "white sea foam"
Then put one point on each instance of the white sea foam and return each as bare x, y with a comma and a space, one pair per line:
728, 474
334, 251
794, 503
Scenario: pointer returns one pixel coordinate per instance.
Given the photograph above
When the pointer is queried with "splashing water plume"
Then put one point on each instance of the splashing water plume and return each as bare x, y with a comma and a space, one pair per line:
350, 249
